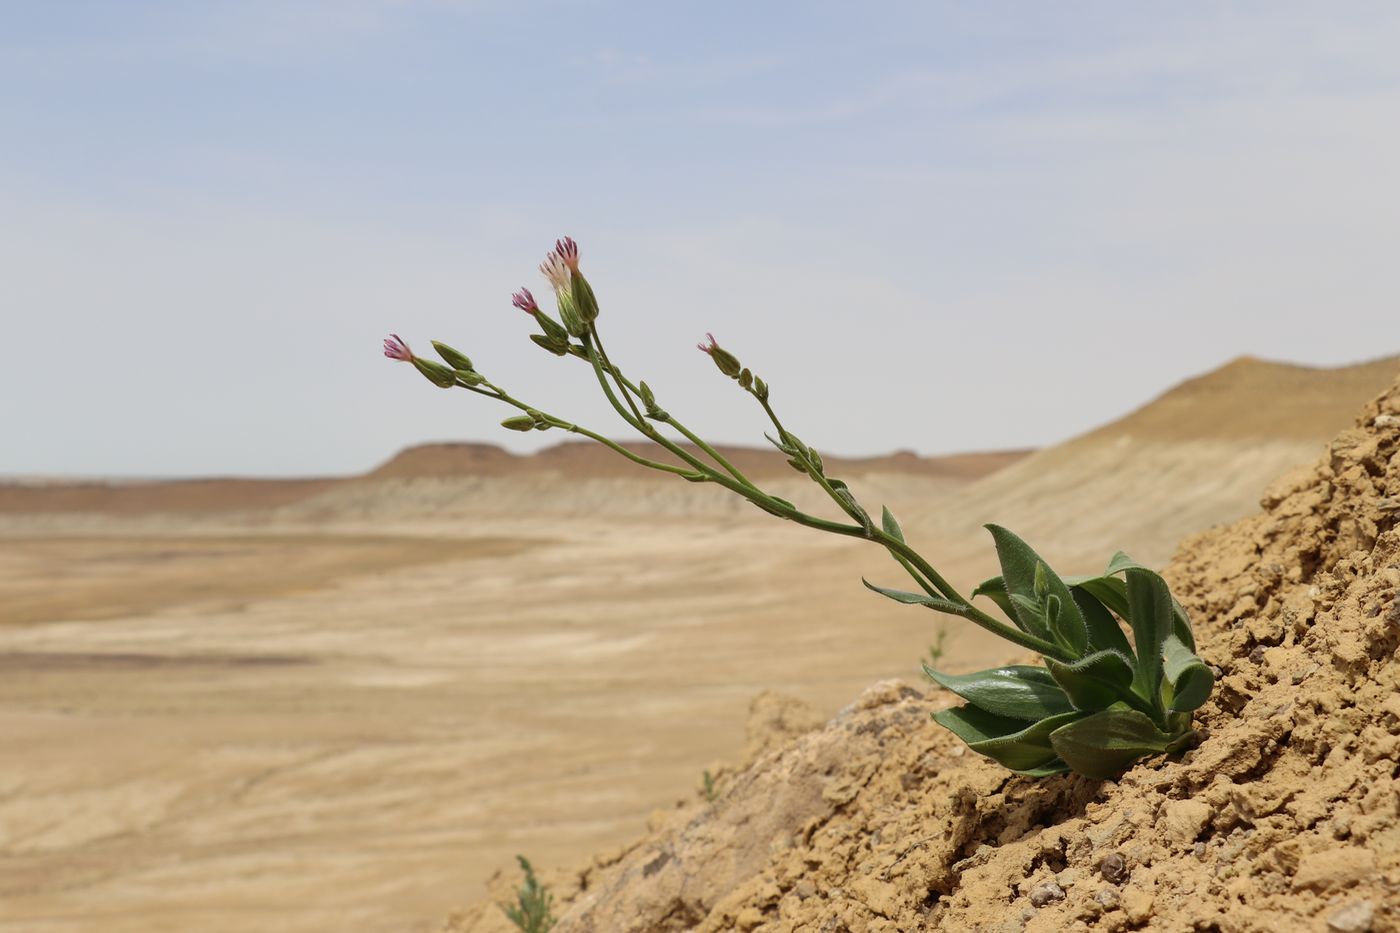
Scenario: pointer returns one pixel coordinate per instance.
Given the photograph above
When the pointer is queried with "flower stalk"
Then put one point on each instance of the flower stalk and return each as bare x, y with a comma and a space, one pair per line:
1098, 704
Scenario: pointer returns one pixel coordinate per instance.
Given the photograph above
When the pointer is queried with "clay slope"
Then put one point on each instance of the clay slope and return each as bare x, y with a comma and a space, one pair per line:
1194, 457
1285, 817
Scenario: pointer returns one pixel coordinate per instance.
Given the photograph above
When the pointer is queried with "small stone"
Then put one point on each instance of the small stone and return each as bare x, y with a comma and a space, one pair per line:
1351, 918
1107, 898
805, 888
1137, 904
1114, 868
1199, 850
1043, 894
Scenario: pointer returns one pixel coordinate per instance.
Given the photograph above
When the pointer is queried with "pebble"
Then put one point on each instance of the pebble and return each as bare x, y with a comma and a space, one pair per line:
1351, 918
1107, 898
1043, 894
805, 888
1114, 868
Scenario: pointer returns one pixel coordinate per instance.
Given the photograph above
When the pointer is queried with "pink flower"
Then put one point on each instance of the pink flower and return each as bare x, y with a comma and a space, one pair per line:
708, 349
524, 301
568, 251
557, 271
396, 349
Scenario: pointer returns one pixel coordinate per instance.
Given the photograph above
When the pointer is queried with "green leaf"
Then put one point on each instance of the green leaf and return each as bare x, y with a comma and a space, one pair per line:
1103, 744
1150, 613
890, 525
1009, 742
1110, 591
1104, 631
1095, 682
1190, 679
1055, 766
1018, 569
995, 590
1016, 691
1121, 563
918, 599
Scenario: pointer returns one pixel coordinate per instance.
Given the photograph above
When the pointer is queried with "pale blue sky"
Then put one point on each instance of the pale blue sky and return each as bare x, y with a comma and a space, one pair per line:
938, 226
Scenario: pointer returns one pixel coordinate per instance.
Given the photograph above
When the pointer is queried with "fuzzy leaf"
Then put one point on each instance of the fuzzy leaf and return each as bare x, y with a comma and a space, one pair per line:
1190, 679
890, 525
1103, 744
1017, 691
1181, 623
995, 590
1104, 631
917, 599
1110, 591
1150, 613
1009, 742
1019, 570
1095, 682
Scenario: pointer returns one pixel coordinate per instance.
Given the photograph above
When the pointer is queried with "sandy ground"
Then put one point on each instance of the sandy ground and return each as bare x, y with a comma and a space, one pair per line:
312, 728
347, 710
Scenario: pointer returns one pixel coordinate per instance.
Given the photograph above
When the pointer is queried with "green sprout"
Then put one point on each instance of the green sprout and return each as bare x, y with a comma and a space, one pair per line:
532, 910
1099, 702
708, 782
936, 650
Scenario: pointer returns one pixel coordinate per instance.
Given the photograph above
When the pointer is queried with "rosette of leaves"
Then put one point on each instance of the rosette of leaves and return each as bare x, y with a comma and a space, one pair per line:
1100, 702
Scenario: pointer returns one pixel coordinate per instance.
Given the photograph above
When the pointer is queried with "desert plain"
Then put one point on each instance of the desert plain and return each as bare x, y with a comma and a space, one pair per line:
342, 704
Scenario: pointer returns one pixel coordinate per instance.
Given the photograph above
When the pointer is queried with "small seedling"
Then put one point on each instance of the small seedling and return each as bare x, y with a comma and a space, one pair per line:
1098, 704
531, 911
708, 781
935, 650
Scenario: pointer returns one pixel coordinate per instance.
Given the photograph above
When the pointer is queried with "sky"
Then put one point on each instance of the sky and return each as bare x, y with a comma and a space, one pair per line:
929, 226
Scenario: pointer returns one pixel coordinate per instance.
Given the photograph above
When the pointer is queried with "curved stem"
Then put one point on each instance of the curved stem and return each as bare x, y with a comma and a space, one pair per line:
607, 363
628, 386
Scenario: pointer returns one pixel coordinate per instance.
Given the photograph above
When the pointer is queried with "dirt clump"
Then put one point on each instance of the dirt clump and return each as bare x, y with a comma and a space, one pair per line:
1286, 816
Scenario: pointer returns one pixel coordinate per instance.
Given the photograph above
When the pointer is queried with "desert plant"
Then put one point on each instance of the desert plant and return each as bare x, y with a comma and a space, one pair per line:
937, 649
707, 781
532, 910
1098, 703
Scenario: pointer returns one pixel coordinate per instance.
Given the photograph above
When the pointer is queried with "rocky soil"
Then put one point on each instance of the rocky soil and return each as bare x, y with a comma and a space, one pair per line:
1286, 816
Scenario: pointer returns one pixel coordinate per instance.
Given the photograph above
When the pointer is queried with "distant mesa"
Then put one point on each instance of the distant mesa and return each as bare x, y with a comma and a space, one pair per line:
584, 458
1246, 401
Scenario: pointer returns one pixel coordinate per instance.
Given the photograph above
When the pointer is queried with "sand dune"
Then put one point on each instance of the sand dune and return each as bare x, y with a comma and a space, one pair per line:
345, 706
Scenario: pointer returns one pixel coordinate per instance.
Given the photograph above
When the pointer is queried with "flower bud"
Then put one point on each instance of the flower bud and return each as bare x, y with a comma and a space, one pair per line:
760, 389
396, 349
453, 358
470, 376
519, 423
727, 362
746, 379
572, 323
436, 373
558, 347
584, 301
552, 328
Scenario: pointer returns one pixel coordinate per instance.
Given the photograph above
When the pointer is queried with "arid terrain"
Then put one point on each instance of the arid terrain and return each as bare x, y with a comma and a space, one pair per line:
343, 704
